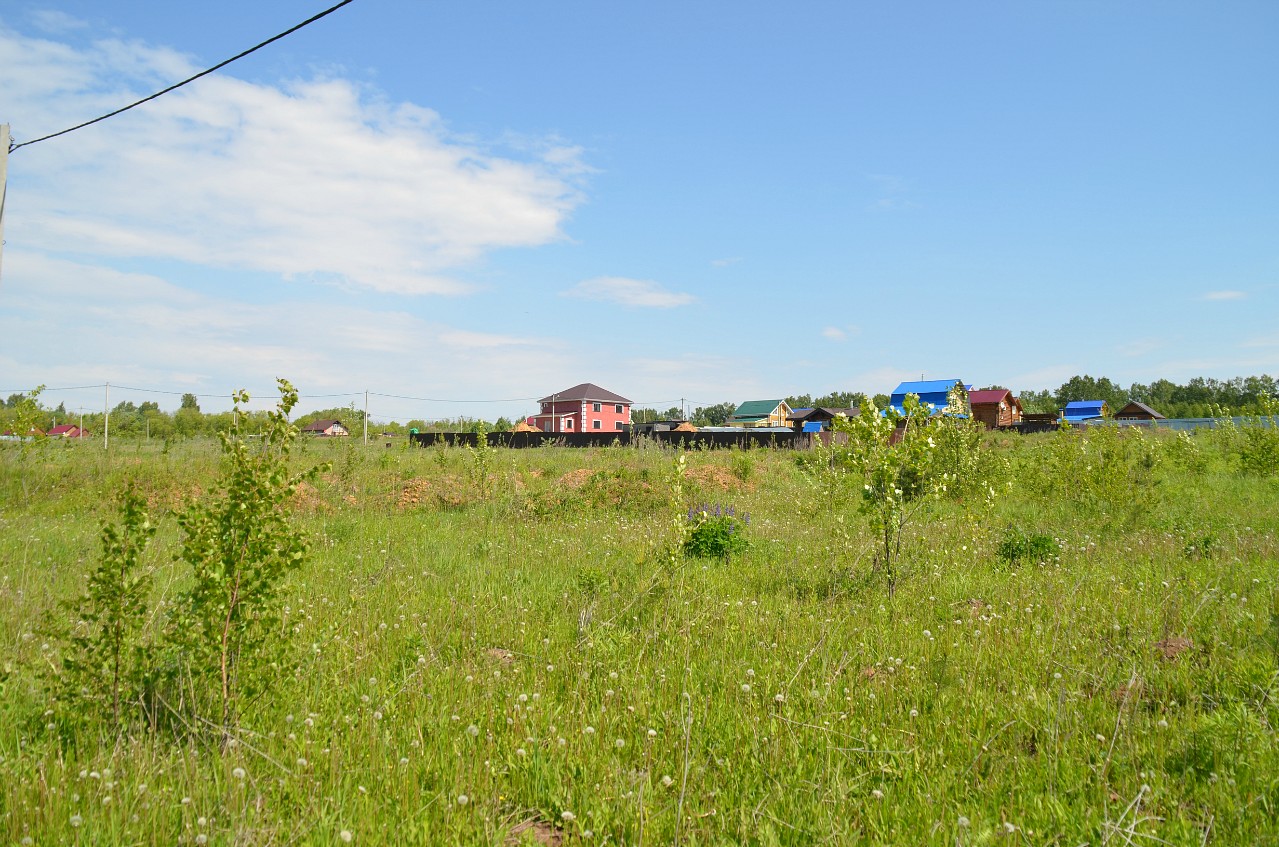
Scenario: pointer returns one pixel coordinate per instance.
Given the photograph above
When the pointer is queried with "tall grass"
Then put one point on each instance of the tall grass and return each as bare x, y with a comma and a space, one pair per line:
510, 653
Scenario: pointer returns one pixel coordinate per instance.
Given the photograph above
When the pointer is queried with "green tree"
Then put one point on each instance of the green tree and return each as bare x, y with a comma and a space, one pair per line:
240, 546
1088, 388
714, 415
841, 400
189, 401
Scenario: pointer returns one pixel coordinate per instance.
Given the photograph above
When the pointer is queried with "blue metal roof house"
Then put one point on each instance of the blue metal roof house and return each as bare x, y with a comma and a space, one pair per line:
935, 392
1078, 411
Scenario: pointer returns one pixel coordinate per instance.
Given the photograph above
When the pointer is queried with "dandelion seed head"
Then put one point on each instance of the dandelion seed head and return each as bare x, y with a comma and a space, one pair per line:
346, 836
566, 815
462, 799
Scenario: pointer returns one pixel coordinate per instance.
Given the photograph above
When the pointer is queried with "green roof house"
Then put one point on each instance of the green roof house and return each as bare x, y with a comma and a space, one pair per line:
759, 413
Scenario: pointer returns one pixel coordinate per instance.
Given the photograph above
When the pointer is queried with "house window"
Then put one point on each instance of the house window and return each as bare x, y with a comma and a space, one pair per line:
595, 407
618, 408
596, 424
617, 425
568, 423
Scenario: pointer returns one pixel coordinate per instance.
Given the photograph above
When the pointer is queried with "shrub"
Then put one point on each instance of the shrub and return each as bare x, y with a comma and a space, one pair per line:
106, 667
715, 532
240, 546
1017, 546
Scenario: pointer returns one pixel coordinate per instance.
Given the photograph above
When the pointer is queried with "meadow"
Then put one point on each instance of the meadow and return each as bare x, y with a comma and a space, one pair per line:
506, 647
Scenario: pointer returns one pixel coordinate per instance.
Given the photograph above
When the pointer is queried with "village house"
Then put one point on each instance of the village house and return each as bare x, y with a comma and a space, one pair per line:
1079, 411
819, 418
326, 428
935, 393
760, 413
1138, 411
995, 407
582, 408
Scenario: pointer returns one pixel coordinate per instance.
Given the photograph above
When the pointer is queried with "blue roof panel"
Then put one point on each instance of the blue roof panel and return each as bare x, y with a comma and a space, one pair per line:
927, 386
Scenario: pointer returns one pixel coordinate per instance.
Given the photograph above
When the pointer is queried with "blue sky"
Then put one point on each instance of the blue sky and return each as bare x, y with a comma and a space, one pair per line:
711, 201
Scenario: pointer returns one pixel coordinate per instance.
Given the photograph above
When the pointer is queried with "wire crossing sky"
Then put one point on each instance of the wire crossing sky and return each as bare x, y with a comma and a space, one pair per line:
723, 201
186, 81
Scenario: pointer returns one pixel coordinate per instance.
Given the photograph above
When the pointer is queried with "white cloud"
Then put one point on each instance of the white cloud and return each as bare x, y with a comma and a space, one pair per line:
317, 180
628, 292
837, 333
724, 263
53, 21
1225, 295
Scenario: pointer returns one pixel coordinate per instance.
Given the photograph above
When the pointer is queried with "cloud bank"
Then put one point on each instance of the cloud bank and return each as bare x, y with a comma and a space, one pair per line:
315, 180
629, 292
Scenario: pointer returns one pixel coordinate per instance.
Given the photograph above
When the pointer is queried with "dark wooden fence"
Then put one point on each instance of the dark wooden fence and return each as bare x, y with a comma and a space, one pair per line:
687, 440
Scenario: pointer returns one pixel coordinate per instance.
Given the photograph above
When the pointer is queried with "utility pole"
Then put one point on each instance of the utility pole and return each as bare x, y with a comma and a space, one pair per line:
106, 417
81, 433
366, 416
4, 178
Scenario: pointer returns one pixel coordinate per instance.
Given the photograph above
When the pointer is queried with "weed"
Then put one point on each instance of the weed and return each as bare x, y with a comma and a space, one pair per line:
716, 533
1017, 546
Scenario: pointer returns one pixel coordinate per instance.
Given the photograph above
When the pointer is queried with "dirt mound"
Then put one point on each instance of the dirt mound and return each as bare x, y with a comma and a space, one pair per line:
306, 498
576, 479
414, 492
712, 476
1171, 648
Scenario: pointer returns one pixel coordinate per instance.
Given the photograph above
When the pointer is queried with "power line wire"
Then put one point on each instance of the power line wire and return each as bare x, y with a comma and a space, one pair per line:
220, 65
440, 400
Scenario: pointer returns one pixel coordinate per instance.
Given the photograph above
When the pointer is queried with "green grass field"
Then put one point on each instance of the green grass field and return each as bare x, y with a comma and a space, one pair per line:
510, 653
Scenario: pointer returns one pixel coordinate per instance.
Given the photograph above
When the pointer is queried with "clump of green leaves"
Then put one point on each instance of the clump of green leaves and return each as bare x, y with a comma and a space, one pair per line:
1019, 546
716, 532
1259, 441
107, 668
241, 547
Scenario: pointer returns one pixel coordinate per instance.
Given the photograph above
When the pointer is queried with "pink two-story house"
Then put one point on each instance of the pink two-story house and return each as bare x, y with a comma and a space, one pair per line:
582, 408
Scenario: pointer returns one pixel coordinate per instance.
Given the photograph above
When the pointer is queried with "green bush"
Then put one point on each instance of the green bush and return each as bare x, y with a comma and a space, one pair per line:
716, 533
1018, 546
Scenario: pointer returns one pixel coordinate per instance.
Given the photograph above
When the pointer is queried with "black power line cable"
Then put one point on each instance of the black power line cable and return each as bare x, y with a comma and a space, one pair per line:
220, 65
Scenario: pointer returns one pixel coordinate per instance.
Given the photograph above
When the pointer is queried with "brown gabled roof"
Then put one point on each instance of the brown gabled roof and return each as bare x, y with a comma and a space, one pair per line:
320, 426
587, 391
988, 395
1136, 407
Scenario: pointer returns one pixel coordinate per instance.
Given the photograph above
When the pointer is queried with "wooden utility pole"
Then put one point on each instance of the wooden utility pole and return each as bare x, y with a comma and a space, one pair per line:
366, 416
106, 417
4, 180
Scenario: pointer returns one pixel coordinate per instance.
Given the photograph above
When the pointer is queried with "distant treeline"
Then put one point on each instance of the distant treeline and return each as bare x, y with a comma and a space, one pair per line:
1200, 397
